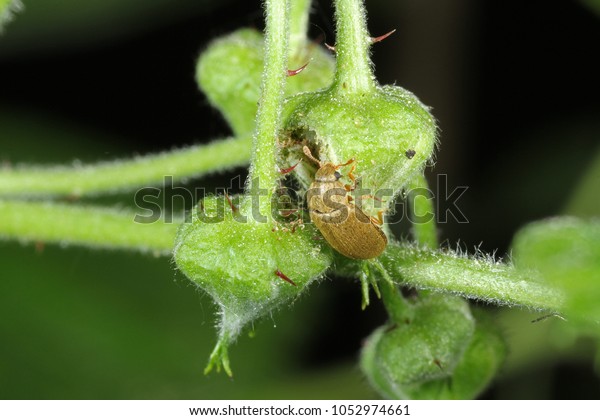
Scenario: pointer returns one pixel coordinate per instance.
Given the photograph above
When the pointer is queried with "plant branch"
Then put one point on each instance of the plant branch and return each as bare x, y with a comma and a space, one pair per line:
299, 13
78, 180
478, 277
395, 304
268, 118
95, 227
423, 214
353, 71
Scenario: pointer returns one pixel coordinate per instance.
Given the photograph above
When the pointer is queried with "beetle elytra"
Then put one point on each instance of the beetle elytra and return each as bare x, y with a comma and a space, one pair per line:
343, 225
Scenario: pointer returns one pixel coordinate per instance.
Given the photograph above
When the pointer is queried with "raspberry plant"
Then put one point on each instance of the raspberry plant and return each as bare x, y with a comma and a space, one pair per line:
254, 260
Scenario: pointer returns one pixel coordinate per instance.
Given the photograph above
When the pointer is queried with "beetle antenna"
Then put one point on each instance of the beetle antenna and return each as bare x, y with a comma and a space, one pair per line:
308, 154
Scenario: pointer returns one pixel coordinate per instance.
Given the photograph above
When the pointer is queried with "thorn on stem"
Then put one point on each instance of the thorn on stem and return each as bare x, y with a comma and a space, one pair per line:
382, 37
285, 171
287, 213
298, 70
329, 47
284, 277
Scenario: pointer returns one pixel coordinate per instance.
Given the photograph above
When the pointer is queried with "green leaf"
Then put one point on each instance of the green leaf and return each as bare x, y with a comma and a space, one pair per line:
567, 252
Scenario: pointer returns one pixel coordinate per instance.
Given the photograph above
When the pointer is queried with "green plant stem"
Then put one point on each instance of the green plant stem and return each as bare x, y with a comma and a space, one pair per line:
476, 277
395, 304
353, 72
263, 171
95, 227
79, 180
299, 13
423, 214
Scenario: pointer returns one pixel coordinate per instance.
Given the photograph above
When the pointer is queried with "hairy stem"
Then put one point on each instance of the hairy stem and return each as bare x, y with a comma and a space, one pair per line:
478, 278
32, 181
353, 66
263, 171
422, 212
95, 227
395, 304
299, 13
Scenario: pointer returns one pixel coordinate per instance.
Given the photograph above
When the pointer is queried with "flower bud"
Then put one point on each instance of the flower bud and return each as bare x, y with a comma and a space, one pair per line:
247, 267
440, 352
229, 73
387, 130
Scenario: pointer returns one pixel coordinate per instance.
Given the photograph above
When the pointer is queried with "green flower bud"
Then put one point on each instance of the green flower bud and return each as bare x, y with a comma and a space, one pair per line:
230, 69
247, 267
440, 352
387, 130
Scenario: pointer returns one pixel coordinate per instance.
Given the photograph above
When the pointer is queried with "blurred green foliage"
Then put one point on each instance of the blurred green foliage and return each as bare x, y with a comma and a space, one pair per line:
82, 324
593, 4
48, 25
567, 252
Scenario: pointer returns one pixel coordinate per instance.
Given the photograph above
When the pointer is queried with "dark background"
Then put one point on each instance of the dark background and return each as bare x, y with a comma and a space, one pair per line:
514, 86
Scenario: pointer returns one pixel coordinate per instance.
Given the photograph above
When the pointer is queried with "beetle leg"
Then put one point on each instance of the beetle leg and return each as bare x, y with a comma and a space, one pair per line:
352, 178
379, 219
351, 173
350, 161
380, 216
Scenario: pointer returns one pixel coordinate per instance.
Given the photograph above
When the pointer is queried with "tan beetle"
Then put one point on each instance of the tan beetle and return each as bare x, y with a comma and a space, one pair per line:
343, 225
